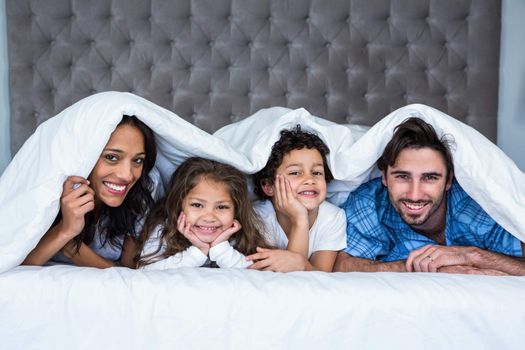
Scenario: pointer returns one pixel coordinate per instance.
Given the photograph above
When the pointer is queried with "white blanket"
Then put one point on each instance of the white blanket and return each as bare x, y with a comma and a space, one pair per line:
206, 308
68, 307
70, 143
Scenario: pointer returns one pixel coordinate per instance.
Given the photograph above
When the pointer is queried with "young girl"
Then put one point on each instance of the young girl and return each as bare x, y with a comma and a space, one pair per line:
205, 216
99, 216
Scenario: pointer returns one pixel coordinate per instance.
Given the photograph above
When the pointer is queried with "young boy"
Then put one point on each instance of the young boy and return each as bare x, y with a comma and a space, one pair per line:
308, 230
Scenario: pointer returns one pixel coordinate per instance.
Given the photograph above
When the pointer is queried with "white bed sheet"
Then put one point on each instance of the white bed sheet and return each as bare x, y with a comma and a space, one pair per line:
83, 308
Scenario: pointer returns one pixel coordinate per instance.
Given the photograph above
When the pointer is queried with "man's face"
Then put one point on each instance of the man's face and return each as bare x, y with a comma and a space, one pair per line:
417, 183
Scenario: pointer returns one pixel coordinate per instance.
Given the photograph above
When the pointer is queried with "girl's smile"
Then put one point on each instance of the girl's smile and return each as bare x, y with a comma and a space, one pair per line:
209, 209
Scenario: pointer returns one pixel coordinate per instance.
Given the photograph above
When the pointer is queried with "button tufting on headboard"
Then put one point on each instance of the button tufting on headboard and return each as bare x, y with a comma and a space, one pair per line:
216, 61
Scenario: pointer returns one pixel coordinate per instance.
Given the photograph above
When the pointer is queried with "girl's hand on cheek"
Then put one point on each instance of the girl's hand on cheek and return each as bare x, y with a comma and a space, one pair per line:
226, 234
184, 227
286, 202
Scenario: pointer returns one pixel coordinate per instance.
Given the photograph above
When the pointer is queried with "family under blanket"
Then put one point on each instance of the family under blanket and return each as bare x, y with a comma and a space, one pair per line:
415, 218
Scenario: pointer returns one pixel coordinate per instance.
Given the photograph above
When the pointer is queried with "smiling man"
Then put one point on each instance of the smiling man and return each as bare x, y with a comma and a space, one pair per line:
417, 218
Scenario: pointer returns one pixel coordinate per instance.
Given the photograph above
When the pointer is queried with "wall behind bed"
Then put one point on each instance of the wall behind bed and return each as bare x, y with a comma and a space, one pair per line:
510, 123
5, 152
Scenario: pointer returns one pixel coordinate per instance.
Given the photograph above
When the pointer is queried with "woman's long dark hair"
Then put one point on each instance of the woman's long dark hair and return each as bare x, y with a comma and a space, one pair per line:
122, 221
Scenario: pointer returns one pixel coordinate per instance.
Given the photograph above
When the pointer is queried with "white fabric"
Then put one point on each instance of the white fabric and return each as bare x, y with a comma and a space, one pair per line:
327, 233
187, 308
190, 257
223, 254
69, 307
71, 142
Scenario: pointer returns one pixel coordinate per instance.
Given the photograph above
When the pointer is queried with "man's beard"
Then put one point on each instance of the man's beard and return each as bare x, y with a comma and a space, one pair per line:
417, 219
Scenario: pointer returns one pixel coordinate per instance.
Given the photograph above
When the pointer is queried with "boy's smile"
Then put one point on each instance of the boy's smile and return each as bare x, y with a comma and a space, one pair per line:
304, 169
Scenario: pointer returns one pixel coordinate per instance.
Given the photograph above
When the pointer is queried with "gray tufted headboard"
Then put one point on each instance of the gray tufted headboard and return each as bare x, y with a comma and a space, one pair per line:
218, 61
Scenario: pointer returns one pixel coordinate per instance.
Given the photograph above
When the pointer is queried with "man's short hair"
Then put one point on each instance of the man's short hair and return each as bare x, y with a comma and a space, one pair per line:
293, 139
415, 133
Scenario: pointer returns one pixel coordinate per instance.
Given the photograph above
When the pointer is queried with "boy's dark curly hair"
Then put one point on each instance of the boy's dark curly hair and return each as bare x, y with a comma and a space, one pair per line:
293, 139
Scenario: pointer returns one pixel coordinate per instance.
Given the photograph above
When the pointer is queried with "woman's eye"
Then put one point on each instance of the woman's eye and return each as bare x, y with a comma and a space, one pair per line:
223, 207
139, 161
318, 173
196, 205
111, 157
293, 173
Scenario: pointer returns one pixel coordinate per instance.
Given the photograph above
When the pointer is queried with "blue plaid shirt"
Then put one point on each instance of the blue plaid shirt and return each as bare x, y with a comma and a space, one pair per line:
376, 231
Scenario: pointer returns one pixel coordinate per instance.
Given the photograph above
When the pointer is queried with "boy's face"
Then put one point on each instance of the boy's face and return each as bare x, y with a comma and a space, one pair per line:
304, 168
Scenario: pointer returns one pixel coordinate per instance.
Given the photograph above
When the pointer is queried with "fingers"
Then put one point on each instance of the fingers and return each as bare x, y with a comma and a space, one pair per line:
236, 226
283, 191
184, 226
280, 193
288, 189
417, 254
71, 184
257, 256
78, 202
261, 265
425, 261
181, 222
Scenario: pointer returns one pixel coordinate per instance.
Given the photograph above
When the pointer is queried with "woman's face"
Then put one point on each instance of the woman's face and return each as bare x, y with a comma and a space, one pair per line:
119, 166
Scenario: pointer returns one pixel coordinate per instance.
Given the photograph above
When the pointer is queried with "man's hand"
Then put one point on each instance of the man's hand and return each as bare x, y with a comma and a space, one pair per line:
431, 258
277, 260
469, 270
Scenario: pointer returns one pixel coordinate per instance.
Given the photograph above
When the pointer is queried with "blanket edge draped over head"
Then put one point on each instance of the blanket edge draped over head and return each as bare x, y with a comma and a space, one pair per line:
71, 142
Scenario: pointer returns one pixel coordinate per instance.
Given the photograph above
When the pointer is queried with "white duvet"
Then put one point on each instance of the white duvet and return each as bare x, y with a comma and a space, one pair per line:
68, 307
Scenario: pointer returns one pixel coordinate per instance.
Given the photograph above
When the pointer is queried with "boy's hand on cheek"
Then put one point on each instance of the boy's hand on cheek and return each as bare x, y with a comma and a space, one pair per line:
277, 260
226, 234
184, 227
286, 202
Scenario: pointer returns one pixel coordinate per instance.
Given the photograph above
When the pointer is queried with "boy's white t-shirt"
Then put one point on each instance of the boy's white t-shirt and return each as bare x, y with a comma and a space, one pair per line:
327, 233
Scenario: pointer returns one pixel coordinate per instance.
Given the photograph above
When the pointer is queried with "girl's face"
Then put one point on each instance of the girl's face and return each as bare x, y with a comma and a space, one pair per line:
209, 209
119, 166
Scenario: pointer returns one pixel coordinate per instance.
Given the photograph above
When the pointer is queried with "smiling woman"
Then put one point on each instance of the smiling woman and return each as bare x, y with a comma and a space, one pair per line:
98, 220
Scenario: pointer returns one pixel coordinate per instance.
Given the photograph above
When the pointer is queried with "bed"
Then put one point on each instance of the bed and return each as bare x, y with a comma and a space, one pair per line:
199, 73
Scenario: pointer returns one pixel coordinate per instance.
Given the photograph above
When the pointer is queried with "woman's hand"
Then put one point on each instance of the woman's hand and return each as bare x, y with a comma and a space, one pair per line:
77, 200
226, 234
184, 227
